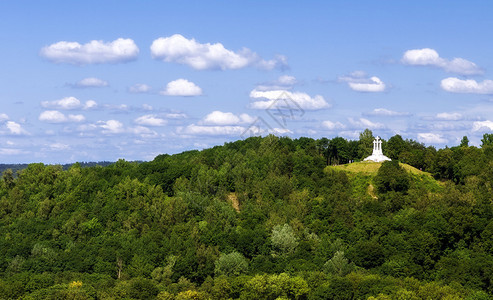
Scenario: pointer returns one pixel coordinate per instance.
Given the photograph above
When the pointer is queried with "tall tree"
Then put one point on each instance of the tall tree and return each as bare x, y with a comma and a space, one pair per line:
365, 147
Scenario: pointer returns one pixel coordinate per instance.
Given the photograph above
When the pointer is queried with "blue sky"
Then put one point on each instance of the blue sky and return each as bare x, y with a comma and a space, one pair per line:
103, 80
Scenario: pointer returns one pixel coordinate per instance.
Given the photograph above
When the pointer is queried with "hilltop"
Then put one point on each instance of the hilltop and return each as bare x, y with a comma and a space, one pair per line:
371, 168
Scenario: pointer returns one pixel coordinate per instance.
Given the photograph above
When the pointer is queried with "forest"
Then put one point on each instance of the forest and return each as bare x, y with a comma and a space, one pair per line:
260, 218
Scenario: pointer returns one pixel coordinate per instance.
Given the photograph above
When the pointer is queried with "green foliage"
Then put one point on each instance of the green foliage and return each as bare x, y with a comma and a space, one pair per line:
232, 264
391, 177
261, 218
487, 139
338, 265
283, 239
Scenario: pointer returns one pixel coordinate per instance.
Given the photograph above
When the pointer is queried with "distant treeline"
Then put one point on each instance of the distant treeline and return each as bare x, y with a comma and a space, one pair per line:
18, 167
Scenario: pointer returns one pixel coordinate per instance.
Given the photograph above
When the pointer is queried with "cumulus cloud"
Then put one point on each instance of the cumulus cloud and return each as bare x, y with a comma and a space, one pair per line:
360, 82
69, 103
333, 125
430, 57
15, 128
94, 52
478, 125
150, 120
139, 88
54, 116
468, 86
90, 82
3, 117
181, 87
287, 100
383, 112
226, 118
431, 138
179, 49
111, 127
365, 123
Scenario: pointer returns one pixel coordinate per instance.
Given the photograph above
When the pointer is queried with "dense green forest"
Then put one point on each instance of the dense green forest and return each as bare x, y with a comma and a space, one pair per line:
260, 218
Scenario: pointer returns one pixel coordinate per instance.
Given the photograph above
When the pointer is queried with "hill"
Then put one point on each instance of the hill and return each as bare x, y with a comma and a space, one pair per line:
261, 218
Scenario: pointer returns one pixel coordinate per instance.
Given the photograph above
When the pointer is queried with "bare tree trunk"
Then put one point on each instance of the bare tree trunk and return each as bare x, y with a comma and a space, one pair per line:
119, 264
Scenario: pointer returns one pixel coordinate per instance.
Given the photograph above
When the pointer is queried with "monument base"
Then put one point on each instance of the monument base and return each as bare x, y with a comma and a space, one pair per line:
377, 158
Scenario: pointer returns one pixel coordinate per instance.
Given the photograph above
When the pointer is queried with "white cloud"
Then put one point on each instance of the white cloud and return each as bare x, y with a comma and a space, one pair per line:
365, 123
284, 82
383, 112
69, 103
213, 130
226, 118
147, 107
333, 125
76, 118
90, 104
181, 87
111, 127
90, 82
449, 116
9, 151
179, 49
150, 120
87, 127
176, 116
287, 100
65, 103
478, 125
360, 82
431, 138
144, 132
94, 52
139, 88
59, 147
430, 57
468, 86
15, 128
54, 116
3, 117
287, 80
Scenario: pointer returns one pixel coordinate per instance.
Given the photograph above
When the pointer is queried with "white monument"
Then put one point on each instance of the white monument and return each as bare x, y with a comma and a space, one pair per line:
377, 155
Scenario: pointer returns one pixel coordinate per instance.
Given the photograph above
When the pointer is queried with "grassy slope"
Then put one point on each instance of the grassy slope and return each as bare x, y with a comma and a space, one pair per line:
361, 175
371, 168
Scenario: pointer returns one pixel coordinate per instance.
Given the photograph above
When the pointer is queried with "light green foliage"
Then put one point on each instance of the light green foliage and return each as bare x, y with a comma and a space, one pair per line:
232, 264
264, 287
338, 265
283, 239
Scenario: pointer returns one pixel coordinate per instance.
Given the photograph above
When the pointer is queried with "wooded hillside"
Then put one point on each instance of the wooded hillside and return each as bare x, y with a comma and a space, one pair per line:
261, 218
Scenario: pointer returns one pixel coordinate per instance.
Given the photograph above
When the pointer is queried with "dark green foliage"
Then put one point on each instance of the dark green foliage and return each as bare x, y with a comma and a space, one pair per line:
392, 177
